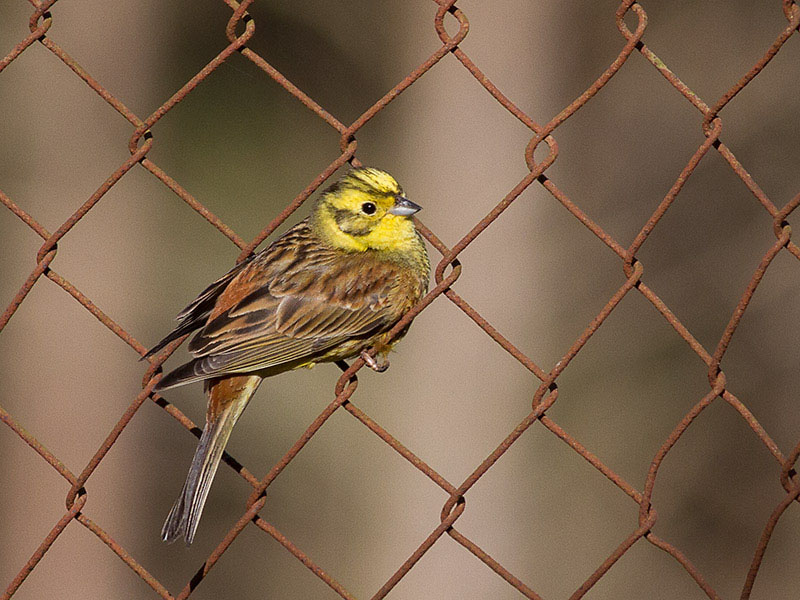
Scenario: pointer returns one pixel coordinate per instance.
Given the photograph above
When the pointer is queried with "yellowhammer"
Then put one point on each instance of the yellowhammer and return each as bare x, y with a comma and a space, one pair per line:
328, 289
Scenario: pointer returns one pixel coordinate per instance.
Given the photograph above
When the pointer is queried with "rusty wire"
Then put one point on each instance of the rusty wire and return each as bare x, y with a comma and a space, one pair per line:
447, 272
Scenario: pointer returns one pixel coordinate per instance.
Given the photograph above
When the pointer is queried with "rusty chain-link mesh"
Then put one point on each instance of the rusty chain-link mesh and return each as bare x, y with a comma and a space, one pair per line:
240, 29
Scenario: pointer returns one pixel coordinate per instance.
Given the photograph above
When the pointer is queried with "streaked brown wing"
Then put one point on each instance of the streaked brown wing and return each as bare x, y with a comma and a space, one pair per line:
272, 326
291, 303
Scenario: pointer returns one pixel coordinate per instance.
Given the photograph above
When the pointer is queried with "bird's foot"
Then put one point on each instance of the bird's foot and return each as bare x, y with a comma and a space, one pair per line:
378, 364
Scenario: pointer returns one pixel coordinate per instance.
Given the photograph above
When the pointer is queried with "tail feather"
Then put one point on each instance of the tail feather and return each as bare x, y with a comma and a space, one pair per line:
185, 514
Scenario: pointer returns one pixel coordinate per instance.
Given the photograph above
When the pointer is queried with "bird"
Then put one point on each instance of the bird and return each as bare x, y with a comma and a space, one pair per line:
328, 289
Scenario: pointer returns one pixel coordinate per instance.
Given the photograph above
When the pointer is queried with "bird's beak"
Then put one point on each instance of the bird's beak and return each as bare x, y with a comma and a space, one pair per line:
403, 207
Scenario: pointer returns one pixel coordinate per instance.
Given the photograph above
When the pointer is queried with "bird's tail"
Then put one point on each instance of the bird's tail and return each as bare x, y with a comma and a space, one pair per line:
227, 399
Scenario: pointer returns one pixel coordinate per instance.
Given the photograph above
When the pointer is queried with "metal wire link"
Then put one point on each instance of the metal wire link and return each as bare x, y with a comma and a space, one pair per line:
239, 30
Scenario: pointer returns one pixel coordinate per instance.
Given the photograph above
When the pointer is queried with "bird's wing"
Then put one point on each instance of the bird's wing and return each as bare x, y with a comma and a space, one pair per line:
290, 304
296, 317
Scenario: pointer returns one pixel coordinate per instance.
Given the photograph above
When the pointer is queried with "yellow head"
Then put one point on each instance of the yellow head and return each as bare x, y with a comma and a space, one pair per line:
364, 210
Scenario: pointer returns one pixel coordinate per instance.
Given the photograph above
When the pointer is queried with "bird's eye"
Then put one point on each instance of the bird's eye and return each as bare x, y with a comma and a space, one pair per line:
368, 208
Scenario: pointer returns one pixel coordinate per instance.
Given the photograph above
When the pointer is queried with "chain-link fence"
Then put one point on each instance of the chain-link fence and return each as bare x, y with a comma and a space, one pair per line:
541, 153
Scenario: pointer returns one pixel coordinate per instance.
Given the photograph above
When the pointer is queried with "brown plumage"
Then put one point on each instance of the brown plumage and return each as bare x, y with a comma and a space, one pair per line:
328, 289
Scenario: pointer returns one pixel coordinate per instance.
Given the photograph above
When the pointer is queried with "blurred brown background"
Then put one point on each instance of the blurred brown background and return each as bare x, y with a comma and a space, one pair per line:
244, 147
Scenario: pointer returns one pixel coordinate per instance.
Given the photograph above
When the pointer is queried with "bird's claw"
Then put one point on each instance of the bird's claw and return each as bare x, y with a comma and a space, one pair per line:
379, 365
